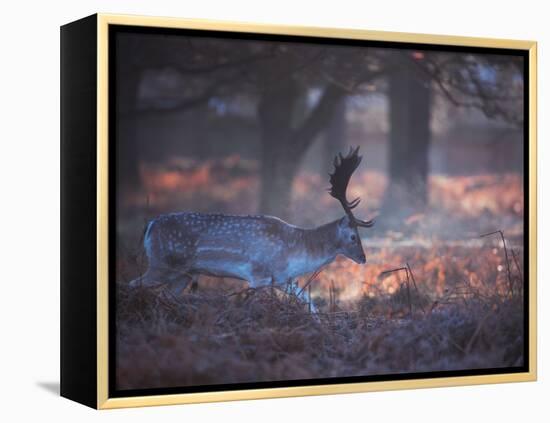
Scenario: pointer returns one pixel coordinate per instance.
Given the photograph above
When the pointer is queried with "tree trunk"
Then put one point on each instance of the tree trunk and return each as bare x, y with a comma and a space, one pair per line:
277, 176
283, 144
278, 161
335, 138
409, 142
127, 148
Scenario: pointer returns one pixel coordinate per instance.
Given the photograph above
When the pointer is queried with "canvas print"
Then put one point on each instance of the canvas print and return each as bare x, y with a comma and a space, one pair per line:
291, 211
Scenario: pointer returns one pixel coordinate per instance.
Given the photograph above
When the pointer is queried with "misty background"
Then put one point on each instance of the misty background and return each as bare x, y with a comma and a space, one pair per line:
251, 127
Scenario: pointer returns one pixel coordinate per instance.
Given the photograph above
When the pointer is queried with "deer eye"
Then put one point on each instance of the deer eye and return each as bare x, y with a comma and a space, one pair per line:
353, 237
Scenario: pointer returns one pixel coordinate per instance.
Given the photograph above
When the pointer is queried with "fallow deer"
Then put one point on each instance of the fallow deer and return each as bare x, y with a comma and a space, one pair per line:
263, 250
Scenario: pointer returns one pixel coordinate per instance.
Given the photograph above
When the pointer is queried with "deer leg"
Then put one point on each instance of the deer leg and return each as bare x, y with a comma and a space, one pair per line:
153, 277
291, 287
194, 283
164, 275
179, 283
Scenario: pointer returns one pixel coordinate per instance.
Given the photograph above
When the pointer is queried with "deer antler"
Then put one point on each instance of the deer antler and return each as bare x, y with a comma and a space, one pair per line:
339, 180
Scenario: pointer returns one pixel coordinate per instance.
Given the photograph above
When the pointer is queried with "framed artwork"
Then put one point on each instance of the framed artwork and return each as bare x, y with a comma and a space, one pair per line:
255, 211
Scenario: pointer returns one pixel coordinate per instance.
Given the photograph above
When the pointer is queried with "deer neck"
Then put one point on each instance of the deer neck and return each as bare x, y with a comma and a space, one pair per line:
321, 242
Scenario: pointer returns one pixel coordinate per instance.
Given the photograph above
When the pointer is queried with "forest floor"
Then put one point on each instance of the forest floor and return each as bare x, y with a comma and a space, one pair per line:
223, 332
439, 291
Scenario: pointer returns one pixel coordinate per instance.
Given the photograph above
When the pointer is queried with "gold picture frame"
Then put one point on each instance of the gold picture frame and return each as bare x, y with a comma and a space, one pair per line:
101, 22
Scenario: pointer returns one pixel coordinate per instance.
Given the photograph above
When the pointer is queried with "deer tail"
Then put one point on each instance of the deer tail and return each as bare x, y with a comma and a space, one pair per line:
147, 238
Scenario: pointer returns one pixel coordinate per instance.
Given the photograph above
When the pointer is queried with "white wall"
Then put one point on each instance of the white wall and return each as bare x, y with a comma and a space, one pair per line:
29, 168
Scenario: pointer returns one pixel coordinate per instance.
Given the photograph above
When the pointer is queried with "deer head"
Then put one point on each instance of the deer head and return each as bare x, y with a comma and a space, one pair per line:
348, 226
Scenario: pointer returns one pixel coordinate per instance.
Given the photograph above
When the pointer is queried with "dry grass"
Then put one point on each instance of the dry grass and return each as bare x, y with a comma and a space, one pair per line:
210, 337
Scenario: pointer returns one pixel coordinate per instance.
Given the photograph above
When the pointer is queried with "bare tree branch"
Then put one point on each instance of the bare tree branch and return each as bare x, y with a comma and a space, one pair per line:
310, 128
185, 103
468, 90
209, 69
